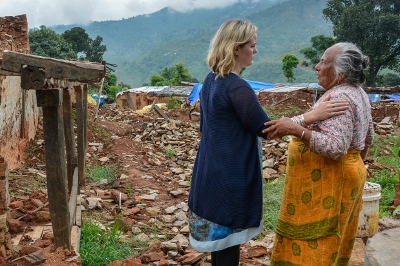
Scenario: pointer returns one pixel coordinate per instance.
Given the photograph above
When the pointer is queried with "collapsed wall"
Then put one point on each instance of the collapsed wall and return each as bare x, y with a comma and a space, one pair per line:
15, 104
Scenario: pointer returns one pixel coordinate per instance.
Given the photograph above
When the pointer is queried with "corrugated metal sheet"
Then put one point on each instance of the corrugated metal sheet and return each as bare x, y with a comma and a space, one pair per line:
162, 91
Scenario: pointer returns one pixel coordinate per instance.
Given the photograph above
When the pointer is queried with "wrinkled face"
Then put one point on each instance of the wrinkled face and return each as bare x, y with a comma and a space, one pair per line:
244, 54
325, 68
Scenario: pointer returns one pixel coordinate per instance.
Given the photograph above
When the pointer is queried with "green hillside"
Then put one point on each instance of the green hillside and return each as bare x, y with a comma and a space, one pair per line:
142, 45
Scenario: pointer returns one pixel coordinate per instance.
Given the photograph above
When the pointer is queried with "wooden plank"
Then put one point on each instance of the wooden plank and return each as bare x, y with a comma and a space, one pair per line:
129, 100
81, 125
35, 234
73, 198
78, 215
69, 136
75, 238
159, 111
84, 72
15, 241
55, 164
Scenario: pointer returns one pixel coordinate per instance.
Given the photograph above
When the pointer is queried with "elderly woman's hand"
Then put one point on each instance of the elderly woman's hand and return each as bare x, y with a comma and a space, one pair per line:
326, 109
279, 128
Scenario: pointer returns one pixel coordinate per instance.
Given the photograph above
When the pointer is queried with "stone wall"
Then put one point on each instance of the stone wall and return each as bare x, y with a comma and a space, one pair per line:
14, 37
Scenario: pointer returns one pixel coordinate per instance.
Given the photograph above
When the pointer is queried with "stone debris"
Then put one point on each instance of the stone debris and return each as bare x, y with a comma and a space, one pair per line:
165, 227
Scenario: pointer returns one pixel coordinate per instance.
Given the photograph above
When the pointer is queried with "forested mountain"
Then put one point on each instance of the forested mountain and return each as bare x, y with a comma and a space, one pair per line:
142, 45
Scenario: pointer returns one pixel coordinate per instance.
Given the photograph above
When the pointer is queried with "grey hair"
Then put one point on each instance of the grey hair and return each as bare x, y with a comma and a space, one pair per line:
351, 63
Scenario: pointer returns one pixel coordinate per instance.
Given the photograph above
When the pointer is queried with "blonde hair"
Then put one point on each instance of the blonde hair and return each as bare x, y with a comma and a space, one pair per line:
232, 33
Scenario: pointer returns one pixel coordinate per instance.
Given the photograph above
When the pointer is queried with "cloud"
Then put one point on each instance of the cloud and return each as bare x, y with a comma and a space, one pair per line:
59, 12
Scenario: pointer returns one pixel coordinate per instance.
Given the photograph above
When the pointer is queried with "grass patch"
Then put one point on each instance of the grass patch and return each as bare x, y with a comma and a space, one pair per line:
273, 191
100, 247
170, 153
276, 112
100, 172
385, 150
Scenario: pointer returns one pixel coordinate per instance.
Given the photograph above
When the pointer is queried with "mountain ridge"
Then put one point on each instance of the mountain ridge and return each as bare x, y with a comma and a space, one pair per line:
142, 45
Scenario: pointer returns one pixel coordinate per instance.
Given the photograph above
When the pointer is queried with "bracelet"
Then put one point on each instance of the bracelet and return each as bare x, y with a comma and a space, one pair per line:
302, 134
299, 120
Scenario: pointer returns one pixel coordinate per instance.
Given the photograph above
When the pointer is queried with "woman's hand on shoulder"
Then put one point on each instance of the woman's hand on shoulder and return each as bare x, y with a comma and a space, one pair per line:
326, 109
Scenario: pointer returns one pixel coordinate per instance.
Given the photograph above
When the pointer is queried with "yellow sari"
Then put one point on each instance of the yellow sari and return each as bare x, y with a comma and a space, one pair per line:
322, 199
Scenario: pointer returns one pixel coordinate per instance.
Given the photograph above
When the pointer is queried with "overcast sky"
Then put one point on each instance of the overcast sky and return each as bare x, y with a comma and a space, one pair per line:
58, 12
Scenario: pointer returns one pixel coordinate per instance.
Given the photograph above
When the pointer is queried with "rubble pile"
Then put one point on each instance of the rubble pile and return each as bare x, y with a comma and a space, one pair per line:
149, 200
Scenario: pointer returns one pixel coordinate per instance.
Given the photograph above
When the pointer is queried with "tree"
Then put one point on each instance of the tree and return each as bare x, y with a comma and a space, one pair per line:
82, 43
78, 38
289, 62
171, 76
95, 50
158, 81
46, 42
391, 79
319, 44
371, 24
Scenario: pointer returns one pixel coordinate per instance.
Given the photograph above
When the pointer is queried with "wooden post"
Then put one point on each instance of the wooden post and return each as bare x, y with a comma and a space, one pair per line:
22, 131
98, 100
82, 127
129, 100
51, 100
159, 111
69, 136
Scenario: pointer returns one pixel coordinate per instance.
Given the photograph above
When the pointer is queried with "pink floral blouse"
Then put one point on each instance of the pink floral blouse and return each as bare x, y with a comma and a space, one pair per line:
354, 129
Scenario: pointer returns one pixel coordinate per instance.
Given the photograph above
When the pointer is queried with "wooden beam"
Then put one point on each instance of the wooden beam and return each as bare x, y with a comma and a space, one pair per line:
50, 101
159, 111
6, 73
84, 72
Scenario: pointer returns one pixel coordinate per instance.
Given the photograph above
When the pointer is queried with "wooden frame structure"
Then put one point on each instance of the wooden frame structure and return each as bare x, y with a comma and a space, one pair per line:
65, 164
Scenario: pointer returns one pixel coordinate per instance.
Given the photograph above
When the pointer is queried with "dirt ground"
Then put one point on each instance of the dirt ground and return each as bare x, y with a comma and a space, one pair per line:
136, 159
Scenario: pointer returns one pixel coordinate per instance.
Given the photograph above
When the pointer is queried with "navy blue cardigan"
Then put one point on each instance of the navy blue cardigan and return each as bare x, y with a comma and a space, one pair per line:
226, 185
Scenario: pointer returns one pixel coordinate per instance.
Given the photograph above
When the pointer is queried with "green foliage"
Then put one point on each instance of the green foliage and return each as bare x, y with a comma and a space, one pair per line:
173, 103
385, 150
158, 81
166, 38
388, 183
82, 43
78, 38
46, 42
273, 191
319, 44
289, 61
111, 88
95, 50
98, 247
391, 79
170, 153
103, 172
371, 24
171, 76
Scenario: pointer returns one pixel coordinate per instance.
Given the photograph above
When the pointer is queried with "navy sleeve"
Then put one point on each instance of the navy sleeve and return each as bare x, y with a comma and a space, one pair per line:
247, 107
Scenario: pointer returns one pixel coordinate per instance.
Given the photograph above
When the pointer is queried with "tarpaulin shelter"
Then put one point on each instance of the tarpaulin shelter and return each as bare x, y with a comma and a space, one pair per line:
394, 97
256, 85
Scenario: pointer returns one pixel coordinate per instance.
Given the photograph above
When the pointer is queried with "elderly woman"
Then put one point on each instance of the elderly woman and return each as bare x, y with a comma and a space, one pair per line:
322, 198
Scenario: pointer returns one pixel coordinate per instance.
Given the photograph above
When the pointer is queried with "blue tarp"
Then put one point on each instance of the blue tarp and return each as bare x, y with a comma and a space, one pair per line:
394, 97
374, 97
102, 98
256, 85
